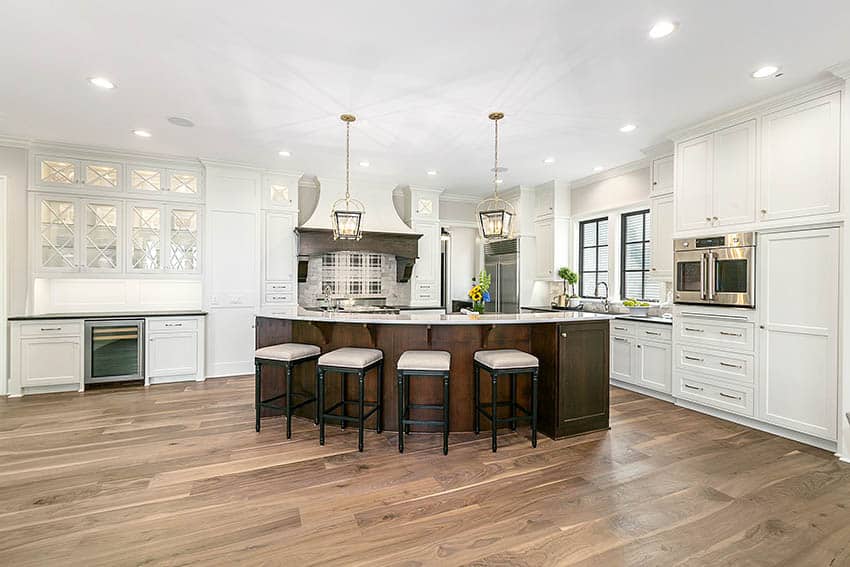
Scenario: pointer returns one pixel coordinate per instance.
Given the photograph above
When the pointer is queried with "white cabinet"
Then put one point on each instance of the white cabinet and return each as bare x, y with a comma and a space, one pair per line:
622, 360
60, 172
716, 178
426, 272
280, 258
662, 176
154, 180
798, 295
551, 246
174, 350
801, 159
280, 191
661, 243
544, 201
163, 238
45, 356
653, 365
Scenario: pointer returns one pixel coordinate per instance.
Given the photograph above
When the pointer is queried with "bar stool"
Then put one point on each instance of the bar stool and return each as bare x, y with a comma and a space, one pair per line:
285, 355
425, 363
349, 360
505, 362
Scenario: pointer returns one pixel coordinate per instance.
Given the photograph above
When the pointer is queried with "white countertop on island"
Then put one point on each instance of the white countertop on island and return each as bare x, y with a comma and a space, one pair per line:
299, 314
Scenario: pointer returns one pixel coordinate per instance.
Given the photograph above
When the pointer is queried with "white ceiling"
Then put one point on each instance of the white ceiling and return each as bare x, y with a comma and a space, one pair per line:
257, 77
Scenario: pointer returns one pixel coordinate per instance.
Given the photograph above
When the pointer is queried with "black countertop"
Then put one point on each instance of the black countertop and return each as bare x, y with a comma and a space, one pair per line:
111, 315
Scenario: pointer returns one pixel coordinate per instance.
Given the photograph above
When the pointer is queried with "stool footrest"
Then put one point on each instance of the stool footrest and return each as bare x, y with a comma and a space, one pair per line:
423, 422
425, 406
353, 418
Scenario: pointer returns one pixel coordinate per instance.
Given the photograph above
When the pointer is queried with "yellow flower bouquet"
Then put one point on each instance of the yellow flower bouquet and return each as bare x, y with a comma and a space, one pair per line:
480, 292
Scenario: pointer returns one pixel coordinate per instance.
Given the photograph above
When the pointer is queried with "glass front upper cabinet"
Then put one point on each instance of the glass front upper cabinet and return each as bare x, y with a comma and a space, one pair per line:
183, 249
101, 237
57, 242
145, 238
78, 174
164, 181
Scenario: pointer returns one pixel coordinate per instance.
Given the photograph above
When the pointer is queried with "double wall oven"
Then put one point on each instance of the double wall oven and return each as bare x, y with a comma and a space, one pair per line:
717, 270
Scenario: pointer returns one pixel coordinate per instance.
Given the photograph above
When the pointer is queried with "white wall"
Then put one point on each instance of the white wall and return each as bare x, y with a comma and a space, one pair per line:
13, 165
3, 287
612, 193
463, 261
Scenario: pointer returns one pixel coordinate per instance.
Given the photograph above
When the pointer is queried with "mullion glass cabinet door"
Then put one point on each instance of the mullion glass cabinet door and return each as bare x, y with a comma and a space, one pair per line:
101, 175
183, 183
146, 179
101, 236
145, 238
57, 242
58, 172
183, 241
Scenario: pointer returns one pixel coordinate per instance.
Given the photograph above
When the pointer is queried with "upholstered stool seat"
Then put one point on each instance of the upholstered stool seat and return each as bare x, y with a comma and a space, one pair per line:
287, 352
346, 361
286, 355
498, 363
422, 363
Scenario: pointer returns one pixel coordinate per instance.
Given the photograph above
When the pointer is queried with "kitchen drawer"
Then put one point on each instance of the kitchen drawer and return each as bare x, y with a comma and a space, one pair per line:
52, 329
735, 399
623, 328
727, 365
280, 287
654, 332
172, 325
280, 298
738, 335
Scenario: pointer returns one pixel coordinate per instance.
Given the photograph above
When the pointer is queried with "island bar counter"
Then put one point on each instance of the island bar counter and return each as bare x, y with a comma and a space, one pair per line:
572, 349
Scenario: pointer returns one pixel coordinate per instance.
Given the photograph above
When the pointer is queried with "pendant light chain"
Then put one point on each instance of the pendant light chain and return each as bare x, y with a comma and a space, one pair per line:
347, 161
496, 161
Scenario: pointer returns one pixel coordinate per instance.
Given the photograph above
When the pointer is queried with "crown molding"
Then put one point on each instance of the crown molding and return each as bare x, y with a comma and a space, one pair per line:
611, 173
458, 198
14, 142
658, 150
824, 86
841, 70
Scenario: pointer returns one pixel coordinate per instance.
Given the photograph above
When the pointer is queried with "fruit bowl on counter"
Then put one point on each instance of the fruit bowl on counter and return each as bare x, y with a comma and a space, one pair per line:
636, 308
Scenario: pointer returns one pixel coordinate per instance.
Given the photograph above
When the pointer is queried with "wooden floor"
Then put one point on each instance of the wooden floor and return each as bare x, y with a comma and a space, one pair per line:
176, 475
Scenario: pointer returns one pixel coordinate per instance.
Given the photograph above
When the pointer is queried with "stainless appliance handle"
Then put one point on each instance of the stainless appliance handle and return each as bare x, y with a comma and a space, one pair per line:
702, 270
712, 275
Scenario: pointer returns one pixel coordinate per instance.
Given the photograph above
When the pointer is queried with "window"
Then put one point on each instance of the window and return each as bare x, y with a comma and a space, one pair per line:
593, 255
635, 259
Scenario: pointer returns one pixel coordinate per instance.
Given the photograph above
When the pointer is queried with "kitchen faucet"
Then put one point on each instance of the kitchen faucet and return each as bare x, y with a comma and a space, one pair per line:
605, 304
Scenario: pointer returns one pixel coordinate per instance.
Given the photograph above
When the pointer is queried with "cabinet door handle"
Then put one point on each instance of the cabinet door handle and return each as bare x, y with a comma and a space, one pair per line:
638, 346
725, 334
694, 358
707, 219
692, 330
653, 333
689, 387
764, 211
727, 365
564, 335
619, 339
730, 397
714, 219
51, 328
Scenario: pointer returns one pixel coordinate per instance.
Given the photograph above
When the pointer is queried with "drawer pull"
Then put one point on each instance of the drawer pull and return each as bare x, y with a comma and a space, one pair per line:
689, 387
694, 358
727, 365
692, 330
51, 328
730, 396
174, 324
653, 333
725, 334
620, 339
620, 329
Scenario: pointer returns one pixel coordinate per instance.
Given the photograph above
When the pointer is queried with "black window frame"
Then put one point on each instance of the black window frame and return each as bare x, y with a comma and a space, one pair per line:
582, 248
646, 241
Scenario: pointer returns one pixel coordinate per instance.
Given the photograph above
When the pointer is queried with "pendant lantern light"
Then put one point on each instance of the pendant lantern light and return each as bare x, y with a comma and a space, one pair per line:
347, 213
495, 214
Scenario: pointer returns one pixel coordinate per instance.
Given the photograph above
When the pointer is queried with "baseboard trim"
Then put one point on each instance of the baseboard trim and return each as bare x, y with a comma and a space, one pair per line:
645, 391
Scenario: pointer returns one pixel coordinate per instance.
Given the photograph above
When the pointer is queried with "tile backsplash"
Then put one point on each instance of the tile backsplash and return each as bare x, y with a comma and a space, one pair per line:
353, 275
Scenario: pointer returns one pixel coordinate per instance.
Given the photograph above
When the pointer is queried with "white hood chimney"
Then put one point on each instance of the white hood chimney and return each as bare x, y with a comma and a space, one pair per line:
381, 214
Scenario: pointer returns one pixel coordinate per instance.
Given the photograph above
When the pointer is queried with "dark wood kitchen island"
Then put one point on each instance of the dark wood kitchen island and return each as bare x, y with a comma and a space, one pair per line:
572, 349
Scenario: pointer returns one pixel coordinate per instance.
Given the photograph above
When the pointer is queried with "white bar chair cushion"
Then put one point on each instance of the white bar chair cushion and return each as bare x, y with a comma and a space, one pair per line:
437, 360
287, 352
350, 357
504, 359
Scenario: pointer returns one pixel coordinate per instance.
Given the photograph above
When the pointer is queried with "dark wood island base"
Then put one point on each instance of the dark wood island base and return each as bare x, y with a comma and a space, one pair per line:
573, 354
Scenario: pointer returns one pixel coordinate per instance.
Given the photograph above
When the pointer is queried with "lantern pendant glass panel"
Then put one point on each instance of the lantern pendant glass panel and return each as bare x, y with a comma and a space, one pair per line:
495, 223
346, 225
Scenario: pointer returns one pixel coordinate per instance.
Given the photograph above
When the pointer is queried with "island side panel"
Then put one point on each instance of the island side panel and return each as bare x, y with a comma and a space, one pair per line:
583, 400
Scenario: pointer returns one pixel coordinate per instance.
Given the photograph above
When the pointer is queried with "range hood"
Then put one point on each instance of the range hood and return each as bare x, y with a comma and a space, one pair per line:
383, 230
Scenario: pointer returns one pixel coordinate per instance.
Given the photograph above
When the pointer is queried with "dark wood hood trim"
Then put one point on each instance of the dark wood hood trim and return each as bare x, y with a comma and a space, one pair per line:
313, 241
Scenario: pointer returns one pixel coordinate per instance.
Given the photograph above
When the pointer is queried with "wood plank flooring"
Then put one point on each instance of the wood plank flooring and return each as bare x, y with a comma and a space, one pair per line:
176, 475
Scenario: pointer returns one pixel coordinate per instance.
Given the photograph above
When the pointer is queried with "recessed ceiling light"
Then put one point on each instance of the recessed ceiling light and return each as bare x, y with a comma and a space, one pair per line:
628, 128
549, 160
766, 71
180, 121
284, 153
364, 164
499, 181
598, 168
142, 133
102, 82
662, 29
431, 172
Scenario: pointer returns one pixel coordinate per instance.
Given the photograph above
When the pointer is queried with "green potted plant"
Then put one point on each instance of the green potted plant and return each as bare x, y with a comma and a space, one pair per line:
569, 277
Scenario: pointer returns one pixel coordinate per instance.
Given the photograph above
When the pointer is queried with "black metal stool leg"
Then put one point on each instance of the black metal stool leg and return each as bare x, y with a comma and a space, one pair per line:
493, 379
513, 402
534, 408
360, 376
400, 397
321, 381
257, 373
344, 405
446, 414
316, 403
476, 399
407, 388
288, 401
380, 411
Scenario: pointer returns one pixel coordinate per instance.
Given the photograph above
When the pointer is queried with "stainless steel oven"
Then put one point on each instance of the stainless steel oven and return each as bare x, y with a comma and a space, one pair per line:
114, 350
716, 270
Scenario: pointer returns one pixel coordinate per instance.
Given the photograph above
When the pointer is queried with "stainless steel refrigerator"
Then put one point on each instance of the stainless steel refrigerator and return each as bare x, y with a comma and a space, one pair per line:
501, 260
